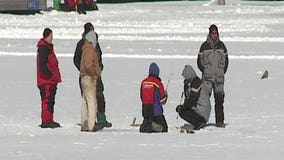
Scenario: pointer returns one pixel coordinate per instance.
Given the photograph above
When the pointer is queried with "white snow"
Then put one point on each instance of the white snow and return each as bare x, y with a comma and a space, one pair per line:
132, 35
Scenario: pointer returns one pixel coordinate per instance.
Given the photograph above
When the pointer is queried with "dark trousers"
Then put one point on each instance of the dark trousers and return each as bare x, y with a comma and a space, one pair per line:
149, 118
219, 108
161, 120
192, 117
146, 125
47, 93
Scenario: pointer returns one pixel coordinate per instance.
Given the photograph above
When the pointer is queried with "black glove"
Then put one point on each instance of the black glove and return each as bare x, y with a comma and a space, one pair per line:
179, 108
164, 99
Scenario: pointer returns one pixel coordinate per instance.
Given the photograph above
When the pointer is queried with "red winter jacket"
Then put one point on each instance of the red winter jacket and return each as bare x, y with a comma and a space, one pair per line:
152, 93
47, 64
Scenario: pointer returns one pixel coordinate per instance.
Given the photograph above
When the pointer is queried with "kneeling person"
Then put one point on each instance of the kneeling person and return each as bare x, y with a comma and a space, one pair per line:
153, 96
196, 107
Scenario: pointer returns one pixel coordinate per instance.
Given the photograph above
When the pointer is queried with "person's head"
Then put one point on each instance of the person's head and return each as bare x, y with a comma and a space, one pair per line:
92, 38
188, 73
154, 70
213, 32
88, 27
47, 35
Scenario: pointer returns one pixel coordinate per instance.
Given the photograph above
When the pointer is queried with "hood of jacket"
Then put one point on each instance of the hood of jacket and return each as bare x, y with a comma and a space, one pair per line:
154, 70
188, 73
210, 41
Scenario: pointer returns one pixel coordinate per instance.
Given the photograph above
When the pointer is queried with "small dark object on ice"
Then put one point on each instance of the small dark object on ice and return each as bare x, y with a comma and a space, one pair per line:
133, 124
265, 75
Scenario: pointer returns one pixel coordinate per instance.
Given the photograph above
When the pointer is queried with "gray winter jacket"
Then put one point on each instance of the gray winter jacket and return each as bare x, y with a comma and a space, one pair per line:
213, 60
197, 94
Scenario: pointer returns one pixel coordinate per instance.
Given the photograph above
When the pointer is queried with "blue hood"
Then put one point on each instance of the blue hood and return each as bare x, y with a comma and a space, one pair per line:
154, 70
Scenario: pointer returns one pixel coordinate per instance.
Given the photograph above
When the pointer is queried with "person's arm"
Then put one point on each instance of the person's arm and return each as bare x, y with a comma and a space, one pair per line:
188, 102
226, 59
99, 52
201, 68
78, 54
43, 52
163, 93
201, 50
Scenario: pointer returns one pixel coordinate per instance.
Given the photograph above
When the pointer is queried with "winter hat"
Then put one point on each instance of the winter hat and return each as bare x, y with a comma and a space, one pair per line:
188, 73
88, 27
154, 69
213, 28
46, 32
91, 37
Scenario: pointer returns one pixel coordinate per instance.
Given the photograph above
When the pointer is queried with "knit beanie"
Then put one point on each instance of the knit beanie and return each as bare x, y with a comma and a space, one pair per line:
213, 28
46, 32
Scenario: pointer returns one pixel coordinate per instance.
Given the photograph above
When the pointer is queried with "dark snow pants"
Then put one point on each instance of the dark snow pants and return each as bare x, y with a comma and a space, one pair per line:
192, 117
47, 93
147, 124
219, 108
149, 118
219, 95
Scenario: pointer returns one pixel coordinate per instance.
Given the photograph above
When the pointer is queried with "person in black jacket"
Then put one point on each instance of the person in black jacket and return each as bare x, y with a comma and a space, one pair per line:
196, 108
101, 117
213, 63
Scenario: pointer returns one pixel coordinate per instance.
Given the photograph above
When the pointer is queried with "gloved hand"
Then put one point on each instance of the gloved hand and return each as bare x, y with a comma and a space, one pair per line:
179, 108
164, 99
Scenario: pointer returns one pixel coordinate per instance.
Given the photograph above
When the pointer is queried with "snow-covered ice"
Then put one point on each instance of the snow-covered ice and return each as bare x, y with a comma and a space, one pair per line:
132, 35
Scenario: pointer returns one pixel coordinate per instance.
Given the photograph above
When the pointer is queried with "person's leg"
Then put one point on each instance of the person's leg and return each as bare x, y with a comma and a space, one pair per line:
92, 105
161, 122
84, 108
101, 104
147, 113
219, 109
148, 127
45, 112
143, 125
47, 93
219, 96
84, 115
89, 94
193, 118
51, 103
81, 8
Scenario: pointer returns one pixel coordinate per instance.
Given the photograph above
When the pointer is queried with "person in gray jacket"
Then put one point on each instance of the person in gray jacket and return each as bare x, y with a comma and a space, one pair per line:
213, 63
196, 108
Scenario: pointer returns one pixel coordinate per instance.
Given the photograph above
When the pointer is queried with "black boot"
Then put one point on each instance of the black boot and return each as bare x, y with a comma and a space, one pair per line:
142, 128
50, 125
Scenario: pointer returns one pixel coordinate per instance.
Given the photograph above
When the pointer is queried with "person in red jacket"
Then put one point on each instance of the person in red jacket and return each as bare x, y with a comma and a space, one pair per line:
48, 76
81, 6
153, 96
